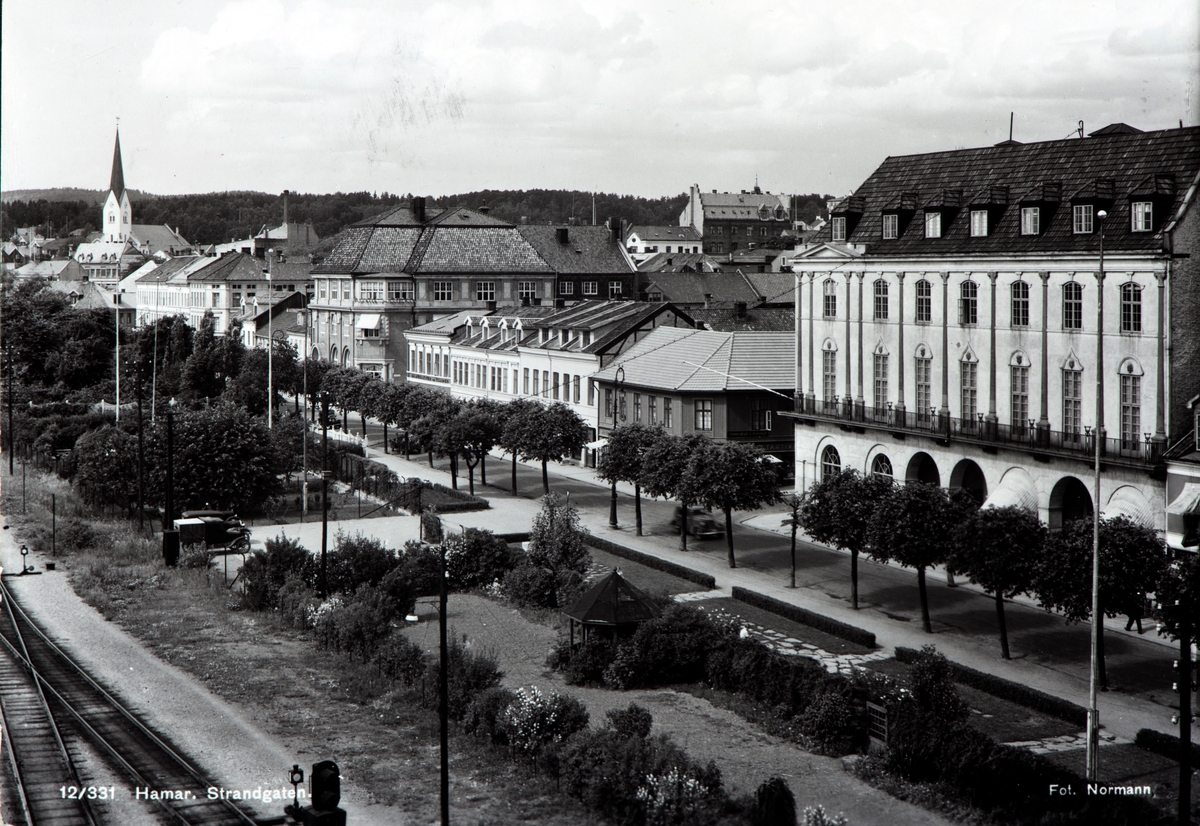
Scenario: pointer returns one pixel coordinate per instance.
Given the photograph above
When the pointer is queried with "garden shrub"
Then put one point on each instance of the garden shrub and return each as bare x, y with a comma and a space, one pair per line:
533, 720
431, 527
265, 571
420, 565
468, 675
632, 721
829, 723
357, 560
355, 625
195, 557
75, 535
296, 603
816, 816
774, 804
673, 798
400, 659
668, 649
531, 586
584, 663
604, 771
483, 717
476, 558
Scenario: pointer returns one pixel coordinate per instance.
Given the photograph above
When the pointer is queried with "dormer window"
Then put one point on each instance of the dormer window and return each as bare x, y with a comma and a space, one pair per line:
979, 223
891, 226
838, 228
1031, 223
1082, 220
933, 224
1142, 216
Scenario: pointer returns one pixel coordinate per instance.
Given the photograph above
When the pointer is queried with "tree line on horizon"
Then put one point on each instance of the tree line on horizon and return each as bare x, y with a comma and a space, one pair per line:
219, 217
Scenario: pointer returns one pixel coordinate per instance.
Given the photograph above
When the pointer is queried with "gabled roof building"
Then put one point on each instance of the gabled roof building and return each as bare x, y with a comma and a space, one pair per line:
952, 324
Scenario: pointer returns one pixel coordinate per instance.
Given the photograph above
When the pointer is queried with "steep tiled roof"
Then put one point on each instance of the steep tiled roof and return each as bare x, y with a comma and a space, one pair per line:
1130, 161
773, 287
760, 319
680, 262
159, 237
472, 249
172, 267
673, 358
587, 250
117, 182
691, 288
233, 266
386, 248
655, 232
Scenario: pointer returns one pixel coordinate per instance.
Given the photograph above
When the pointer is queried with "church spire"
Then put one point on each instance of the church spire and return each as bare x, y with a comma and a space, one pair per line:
117, 184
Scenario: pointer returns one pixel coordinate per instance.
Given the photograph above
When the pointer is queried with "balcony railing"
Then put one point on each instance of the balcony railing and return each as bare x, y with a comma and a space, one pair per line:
1030, 437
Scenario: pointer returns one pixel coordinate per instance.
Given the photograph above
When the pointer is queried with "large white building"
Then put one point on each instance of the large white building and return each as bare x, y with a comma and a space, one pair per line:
949, 328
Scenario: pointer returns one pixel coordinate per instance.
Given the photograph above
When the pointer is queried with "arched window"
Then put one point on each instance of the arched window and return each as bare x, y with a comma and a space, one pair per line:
881, 300
924, 302
831, 462
1131, 308
1020, 304
968, 303
1072, 293
881, 465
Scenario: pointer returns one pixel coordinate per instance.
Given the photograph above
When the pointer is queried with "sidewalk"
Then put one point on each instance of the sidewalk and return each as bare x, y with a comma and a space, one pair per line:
1061, 671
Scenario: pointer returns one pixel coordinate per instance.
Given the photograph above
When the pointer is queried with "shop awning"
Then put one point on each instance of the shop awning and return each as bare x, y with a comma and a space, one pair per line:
1131, 504
596, 445
1187, 503
1015, 490
367, 321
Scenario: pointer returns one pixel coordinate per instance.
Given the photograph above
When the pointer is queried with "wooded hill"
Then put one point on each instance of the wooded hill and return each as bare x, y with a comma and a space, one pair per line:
217, 217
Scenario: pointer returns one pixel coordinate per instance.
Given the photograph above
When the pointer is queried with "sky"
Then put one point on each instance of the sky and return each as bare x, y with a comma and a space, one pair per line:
643, 98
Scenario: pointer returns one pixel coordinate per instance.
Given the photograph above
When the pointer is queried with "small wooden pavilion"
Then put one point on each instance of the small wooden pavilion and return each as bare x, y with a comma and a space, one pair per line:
612, 607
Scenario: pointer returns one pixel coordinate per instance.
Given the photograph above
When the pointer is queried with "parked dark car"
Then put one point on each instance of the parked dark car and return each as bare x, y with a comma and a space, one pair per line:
700, 523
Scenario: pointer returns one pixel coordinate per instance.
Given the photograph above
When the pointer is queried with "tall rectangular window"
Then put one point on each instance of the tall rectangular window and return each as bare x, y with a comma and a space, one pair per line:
979, 223
535, 383
591, 386
1072, 294
1142, 216
545, 383
924, 379
485, 290
668, 418
1020, 395
1082, 215
1020, 304
881, 380
970, 389
1031, 220
525, 381
837, 228
324, 289
1131, 308
829, 374
704, 408
577, 383
891, 226
933, 225
830, 305
653, 410
968, 303
1131, 412
554, 393
881, 300
924, 302
760, 415
1072, 403
608, 402
443, 290
637, 407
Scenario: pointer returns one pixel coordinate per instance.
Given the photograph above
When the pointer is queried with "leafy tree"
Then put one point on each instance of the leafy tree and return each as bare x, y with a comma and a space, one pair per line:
516, 417
550, 433
106, 465
1132, 561
914, 525
837, 510
999, 549
430, 432
556, 539
732, 477
664, 473
621, 461
472, 433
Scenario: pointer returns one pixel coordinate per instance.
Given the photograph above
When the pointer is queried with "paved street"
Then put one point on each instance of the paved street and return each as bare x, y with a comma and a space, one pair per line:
1047, 653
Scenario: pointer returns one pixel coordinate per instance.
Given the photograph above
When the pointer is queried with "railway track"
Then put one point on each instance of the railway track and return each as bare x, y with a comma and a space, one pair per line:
48, 700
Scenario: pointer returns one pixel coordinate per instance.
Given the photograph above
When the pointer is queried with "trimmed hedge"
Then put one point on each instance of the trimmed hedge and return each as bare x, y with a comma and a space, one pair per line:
1008, 690
672, 568
803, 616
1165, 744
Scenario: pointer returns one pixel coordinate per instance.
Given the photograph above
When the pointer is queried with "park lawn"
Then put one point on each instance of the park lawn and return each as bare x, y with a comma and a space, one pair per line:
804, 633
651, 581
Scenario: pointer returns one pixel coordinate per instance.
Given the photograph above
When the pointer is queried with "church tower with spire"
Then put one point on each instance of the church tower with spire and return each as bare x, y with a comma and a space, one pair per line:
118, 217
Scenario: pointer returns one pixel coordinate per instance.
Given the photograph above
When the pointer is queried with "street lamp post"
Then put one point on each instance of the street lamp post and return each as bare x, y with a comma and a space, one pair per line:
1093, 714
117, 330
170, 538
270, 344
324, 494
304, 443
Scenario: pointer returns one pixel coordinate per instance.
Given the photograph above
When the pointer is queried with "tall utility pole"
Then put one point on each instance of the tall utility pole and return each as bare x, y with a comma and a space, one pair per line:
443, 688
117, 329
11, 441
270, 345
1093, 713
304, 444
324, 494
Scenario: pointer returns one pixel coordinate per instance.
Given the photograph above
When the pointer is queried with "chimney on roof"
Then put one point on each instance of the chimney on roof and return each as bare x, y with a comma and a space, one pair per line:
418, 209
285, 207
562, 234
614, 228
484, 208
739, 309
707, 300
